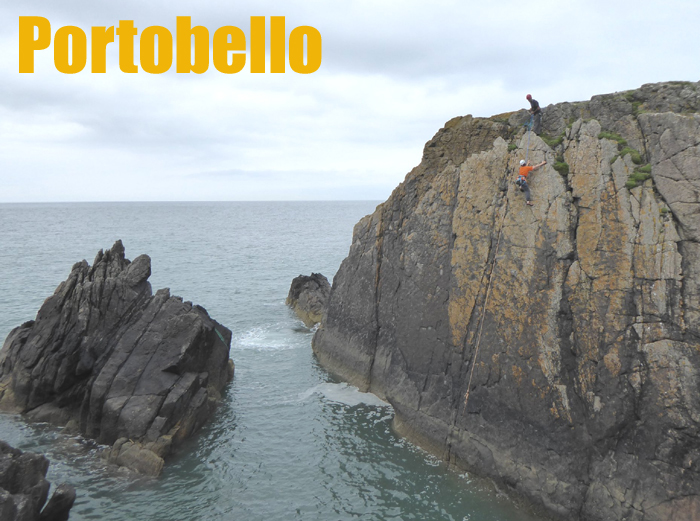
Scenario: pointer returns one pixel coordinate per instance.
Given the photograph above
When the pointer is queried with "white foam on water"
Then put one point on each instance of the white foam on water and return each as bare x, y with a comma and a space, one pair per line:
343, 393
269, 338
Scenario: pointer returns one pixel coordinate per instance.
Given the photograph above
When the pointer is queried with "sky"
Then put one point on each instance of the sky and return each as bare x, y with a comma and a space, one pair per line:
392, 73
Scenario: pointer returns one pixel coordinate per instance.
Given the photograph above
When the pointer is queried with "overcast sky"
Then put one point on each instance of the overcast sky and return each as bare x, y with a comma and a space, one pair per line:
393, 72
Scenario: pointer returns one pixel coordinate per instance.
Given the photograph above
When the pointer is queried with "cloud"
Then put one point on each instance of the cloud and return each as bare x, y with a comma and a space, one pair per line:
392, 73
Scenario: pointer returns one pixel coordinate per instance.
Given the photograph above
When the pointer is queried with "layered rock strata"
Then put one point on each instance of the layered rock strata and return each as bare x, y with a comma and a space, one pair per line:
577, 321
24, 489
308, 297
109, 359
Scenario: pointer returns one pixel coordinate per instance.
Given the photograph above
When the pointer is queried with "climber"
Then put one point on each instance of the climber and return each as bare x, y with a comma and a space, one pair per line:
536, 112
525, 169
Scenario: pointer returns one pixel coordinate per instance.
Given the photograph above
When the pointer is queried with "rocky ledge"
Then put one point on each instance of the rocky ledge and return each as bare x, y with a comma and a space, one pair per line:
573, 325
110, 360
24, 489
308, 297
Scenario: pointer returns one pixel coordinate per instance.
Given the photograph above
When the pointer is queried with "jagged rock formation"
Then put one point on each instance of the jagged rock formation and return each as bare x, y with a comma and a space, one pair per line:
308, 297
107, 358
24, 489
577, 320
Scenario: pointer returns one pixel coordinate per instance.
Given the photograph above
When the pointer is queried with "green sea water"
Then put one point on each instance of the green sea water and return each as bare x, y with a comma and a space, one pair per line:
289, 442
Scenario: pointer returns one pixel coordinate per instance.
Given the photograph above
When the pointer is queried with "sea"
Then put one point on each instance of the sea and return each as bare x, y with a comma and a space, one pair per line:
289, 441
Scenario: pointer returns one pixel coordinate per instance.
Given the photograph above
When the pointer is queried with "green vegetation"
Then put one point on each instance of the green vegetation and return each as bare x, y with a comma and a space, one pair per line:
640, 174
636, 104
622, 147
613, 137
552, 141
562, 167
663, 211
640, 177
512, 147
634, 155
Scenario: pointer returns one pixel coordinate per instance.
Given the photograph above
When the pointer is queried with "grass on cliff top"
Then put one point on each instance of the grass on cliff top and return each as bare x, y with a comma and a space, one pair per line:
630, 97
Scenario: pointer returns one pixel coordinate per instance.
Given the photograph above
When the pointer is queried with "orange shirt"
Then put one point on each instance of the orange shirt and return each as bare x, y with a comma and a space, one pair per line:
525, 170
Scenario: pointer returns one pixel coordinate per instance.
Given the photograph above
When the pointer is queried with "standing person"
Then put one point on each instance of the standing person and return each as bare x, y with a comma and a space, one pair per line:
536, 112
524, 171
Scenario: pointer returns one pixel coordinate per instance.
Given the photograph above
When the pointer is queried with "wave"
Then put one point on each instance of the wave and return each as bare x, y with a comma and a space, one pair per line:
274, 337
343, 393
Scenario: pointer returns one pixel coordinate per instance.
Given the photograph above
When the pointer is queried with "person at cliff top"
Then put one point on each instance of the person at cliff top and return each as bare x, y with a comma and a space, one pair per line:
524, 171
536, 112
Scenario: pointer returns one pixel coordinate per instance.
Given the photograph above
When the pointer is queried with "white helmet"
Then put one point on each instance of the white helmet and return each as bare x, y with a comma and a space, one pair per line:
522, 162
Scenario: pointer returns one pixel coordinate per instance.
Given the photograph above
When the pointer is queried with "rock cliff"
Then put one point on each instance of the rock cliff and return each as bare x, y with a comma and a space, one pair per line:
308, 297
24, 489
107, 358
573, 326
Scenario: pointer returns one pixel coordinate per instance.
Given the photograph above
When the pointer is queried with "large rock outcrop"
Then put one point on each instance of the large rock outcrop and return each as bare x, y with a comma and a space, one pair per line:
107, 358
577, 321
24, 489
308, 297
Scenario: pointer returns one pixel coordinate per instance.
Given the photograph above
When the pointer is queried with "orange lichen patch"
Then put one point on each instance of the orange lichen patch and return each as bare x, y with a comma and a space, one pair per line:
586, 378
459, 310
454, 122
472, 227
518, 374
502, 116
553, 410
541, 391
612, 361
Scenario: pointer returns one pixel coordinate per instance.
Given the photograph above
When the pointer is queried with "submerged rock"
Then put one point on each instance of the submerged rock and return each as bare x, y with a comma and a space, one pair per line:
24, 489
107, 358
308, 297
573, 325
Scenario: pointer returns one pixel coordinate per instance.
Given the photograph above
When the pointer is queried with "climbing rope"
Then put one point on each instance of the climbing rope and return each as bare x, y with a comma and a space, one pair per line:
221, 337
529, 129
486, 301
493, 268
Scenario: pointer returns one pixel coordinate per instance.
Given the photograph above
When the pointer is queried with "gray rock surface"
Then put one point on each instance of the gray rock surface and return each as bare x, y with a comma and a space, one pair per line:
24, 489
573, 325
106, 357
308, 297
